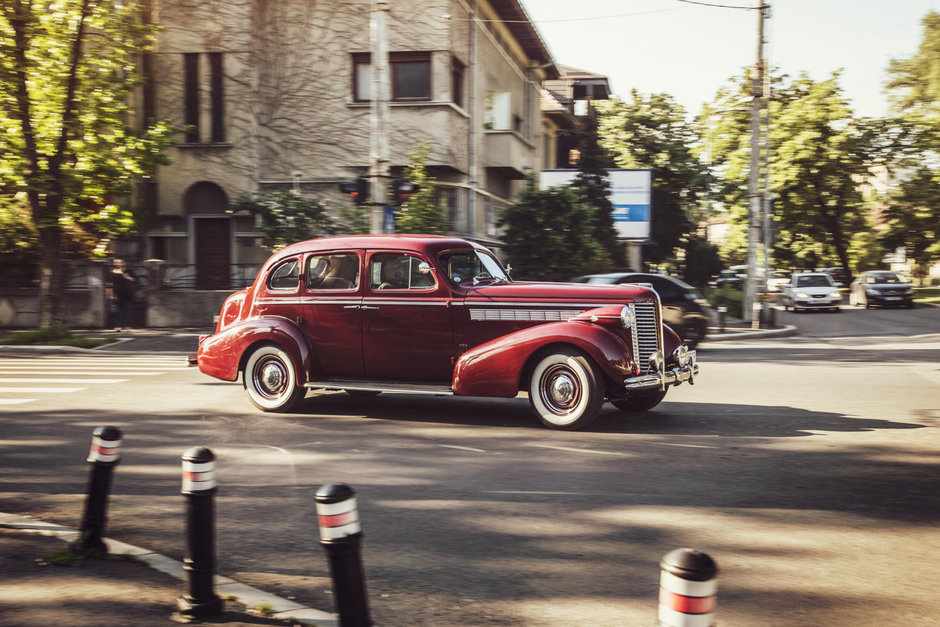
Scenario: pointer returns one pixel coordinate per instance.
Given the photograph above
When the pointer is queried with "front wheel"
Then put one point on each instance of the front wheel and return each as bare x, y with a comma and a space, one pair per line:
566, 390
270, 379
640, 402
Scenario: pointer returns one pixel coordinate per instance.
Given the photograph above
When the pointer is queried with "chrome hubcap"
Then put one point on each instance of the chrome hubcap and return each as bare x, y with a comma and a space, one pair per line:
560, 389
270, 377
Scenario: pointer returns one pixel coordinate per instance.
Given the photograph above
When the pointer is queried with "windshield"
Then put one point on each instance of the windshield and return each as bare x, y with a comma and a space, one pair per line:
814, 280
472, 266
884, 277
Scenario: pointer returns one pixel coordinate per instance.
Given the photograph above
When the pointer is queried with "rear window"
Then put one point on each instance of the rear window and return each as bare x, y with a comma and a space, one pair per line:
285, 275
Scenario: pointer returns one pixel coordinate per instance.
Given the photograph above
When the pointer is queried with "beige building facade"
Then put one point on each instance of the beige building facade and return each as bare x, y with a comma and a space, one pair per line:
277, 95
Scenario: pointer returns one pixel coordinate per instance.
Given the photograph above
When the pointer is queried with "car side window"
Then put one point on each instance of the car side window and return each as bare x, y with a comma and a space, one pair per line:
285, 276
335, 271
399, 271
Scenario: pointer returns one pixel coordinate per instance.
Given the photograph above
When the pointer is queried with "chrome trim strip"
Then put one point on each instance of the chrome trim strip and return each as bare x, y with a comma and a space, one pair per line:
542, 304
546, 315
308, 301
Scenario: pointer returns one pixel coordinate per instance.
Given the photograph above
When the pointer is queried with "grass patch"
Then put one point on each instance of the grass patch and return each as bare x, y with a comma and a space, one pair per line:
62, 557
56, 335
264, 609
927, 295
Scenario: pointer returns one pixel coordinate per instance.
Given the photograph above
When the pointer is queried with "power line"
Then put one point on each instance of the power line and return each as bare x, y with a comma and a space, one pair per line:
718, 6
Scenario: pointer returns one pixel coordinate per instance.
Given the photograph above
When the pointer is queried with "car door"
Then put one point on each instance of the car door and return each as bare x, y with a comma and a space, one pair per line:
330, 312
407, 331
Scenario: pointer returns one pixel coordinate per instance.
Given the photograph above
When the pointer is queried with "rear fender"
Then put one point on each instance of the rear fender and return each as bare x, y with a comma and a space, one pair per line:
223, 355
495, 368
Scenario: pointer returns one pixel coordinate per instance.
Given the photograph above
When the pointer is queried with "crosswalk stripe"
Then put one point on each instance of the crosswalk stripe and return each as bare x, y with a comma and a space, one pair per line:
16, 401
111, 373
32, 390
52, 380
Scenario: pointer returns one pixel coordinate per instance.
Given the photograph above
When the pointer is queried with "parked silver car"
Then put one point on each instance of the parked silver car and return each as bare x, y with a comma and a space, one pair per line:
811, 290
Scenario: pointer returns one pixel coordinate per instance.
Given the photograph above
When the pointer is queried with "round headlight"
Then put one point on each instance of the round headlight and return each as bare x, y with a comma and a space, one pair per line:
835, 295
626, 317
682, 357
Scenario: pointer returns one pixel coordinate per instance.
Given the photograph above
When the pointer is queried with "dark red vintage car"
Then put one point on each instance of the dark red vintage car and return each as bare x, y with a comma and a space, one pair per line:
439, 315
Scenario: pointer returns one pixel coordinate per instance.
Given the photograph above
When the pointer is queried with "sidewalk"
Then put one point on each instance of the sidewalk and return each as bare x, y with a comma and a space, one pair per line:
140, 590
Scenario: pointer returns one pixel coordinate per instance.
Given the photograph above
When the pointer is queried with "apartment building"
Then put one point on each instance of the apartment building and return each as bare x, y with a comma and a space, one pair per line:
277, 94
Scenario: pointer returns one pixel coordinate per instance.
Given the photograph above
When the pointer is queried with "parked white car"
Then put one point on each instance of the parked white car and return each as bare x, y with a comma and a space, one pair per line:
811, 290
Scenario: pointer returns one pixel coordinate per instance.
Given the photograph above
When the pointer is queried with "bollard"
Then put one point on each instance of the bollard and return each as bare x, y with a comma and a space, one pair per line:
341, 538
103, 457
687, 589
722, 313
200, 599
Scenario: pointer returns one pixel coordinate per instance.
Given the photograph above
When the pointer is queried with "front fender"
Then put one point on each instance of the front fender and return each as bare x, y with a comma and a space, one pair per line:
220, 355
494, 368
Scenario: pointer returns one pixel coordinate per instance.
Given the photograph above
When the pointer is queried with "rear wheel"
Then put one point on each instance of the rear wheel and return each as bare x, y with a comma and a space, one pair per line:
270, 379
566, 390
640, 402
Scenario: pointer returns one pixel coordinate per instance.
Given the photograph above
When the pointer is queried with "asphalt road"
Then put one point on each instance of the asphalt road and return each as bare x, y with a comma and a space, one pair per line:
806, 466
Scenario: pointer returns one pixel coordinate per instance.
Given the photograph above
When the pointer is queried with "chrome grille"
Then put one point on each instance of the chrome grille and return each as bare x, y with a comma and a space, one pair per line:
646, 339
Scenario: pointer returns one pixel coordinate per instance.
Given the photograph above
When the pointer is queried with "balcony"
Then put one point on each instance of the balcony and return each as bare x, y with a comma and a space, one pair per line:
508, 153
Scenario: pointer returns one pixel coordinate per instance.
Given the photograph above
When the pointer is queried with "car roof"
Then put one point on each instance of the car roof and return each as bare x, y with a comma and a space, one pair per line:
424, 243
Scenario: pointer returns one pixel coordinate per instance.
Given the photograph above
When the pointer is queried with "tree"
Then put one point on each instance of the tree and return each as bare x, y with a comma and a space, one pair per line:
421, 213
653, 133
67, 148
912, 212
592, 185
549, 234
286, 217
820, 157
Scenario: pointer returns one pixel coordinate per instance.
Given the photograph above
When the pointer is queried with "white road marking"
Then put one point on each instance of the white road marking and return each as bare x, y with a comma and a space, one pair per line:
463, 448
50, 380
16, 401
32, 390
571, 449
111, 373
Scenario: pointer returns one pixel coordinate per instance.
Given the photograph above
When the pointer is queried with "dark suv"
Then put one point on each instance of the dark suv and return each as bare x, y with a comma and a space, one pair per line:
687, 313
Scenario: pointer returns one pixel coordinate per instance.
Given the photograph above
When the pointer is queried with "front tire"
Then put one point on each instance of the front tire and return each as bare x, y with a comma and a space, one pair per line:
270, 379
640, 402
566, 390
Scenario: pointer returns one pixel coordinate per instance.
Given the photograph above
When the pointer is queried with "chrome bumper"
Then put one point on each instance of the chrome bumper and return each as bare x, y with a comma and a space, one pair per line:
661, 378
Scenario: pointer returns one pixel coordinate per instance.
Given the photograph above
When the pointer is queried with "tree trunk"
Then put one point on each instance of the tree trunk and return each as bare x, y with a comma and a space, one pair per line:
50, 276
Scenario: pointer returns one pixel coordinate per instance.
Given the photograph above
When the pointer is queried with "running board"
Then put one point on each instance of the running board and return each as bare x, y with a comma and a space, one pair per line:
392, 387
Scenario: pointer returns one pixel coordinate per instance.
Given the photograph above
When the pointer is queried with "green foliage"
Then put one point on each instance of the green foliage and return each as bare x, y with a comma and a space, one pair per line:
286, 217
593, 187
549, 235
55, 335
865, 252
913, 217
915, 82
67, 73
820, 155
653, 133
727, 296
701, 262
421, 213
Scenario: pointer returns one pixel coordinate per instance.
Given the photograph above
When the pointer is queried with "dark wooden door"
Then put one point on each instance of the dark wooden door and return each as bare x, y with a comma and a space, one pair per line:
213, 253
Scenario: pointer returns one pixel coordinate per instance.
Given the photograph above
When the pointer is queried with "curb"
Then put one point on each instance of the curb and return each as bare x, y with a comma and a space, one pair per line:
284, 609
747, 333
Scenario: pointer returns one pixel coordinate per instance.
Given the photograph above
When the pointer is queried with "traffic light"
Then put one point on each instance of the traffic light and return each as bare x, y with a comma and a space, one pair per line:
402, 190
358, 190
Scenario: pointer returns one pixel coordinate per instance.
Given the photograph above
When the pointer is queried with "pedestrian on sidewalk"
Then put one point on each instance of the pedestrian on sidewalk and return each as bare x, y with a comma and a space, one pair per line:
123, 289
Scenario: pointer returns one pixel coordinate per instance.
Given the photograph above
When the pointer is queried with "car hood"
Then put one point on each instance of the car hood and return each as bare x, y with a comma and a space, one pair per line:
889, 287
816, 290
588, 293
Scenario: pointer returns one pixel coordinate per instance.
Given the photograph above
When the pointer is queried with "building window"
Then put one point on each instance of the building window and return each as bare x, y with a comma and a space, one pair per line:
194, 93
456, 80
409, 73
217, 97
191, 97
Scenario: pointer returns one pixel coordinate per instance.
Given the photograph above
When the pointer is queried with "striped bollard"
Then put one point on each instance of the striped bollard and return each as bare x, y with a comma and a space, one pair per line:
341, 538
103, 457
688, 589
199, 488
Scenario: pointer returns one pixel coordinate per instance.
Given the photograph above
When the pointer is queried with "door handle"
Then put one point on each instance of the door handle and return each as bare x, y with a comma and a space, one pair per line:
367, 307
351, 307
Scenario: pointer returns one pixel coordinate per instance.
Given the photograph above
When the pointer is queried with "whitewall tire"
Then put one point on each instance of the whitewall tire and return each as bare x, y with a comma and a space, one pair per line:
566, 390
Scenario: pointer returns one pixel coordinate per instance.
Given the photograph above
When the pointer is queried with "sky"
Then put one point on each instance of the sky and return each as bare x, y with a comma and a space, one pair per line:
690, 51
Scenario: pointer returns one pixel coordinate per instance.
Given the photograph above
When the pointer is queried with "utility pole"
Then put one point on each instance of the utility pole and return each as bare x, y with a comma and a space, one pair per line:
754, 194
378, 153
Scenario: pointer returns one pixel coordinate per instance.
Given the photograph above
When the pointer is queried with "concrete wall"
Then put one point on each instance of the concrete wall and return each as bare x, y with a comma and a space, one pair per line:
188, 308
19, 308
